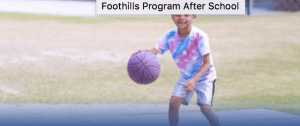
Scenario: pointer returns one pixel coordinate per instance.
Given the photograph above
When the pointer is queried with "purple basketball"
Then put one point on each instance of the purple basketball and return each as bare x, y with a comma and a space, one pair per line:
143, 67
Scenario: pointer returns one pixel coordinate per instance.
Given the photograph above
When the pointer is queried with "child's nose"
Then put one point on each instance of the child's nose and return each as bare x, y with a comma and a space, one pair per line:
181, 16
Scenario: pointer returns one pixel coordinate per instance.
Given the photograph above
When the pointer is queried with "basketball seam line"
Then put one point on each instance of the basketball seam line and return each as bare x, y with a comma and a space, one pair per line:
145, 67
143, 76
144, 56
136, 63
136, 70
132, 63
149, 60
150, 66
154, 66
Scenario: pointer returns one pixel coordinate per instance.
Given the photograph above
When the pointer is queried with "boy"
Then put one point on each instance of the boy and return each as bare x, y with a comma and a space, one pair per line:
190, 50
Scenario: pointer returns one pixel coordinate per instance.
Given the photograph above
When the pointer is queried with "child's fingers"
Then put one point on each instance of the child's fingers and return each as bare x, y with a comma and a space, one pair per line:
185, 86
137, 52
189, 86
189, 89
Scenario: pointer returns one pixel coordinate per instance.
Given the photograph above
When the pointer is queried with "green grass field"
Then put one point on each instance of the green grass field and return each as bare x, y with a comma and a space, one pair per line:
52, 59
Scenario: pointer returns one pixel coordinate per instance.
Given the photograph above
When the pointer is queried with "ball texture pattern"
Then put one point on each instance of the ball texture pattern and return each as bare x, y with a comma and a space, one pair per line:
143, 67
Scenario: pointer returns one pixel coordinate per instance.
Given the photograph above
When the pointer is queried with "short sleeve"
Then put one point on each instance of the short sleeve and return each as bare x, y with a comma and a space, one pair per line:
203, 45
162, 46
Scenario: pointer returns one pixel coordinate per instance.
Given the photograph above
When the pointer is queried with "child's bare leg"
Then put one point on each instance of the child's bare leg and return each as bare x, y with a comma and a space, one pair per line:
210, 115
174, 105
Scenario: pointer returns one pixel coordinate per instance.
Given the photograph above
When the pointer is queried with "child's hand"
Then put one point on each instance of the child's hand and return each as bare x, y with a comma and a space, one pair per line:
137, 52
140, 51
190, 84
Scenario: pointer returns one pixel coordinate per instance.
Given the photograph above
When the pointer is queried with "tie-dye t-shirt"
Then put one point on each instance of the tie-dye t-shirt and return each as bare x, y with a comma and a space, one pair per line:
187, 52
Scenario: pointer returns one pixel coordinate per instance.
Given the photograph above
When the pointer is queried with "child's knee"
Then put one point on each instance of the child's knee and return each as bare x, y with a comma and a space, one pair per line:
175, 102
206, 108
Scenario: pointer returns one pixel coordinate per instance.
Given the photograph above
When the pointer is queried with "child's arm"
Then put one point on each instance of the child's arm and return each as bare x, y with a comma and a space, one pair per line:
154, 51
206, 64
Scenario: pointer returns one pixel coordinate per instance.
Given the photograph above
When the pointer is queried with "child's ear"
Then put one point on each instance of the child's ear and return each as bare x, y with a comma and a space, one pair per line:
194, 16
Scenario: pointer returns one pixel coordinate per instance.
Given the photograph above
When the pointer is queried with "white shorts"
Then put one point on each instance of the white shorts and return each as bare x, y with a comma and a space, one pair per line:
204, 90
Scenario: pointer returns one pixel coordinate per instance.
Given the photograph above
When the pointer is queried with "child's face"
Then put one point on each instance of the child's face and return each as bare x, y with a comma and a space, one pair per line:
183, 21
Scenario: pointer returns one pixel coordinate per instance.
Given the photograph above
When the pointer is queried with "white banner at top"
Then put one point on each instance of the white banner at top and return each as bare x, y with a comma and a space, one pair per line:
167, 7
